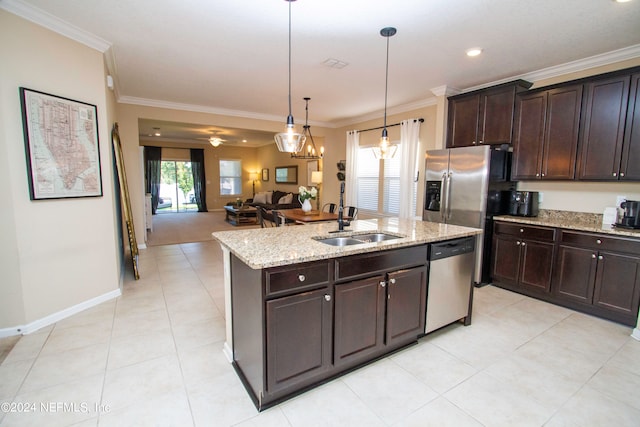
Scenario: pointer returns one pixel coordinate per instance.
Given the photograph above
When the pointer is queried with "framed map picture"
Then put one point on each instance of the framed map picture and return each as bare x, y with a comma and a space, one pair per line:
61, 145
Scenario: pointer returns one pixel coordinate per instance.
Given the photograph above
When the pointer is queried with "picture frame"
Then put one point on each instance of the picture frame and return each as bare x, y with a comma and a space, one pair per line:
287, 174
62, 146
265, 174
312, 166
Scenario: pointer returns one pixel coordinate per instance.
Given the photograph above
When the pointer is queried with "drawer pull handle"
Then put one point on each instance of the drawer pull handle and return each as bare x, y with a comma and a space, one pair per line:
327, 297
593, 256
383, 283
392, 281
301, 277
598, 241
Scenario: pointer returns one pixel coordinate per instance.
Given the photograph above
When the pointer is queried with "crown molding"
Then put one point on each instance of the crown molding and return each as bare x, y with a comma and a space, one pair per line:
53, 23
399, 109
444, 91
612, 57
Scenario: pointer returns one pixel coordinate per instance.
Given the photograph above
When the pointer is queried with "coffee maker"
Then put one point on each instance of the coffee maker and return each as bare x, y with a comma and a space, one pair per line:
631, 214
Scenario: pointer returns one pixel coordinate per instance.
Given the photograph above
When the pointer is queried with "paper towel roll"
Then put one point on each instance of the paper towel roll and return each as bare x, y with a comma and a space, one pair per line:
609, 217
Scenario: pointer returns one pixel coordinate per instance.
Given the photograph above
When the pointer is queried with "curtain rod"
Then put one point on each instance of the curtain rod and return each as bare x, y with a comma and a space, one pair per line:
421, 120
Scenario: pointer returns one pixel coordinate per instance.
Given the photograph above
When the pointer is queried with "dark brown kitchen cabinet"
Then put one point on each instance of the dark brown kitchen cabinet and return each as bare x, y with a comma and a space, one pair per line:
298, 338
630, 165
523, 257
376, 315
546, 133
599, 274
602, 131
484, 116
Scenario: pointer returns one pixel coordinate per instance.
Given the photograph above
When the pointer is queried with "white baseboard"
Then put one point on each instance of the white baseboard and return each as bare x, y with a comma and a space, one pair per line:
636, 334
56, 317
227, 352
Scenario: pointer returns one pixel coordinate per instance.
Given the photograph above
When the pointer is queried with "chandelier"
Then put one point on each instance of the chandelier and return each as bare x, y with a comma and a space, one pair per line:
311, 151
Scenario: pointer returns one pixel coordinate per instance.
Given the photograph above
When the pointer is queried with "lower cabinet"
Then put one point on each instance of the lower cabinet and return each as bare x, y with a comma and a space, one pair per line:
594, 273
599, 275
298, 338
297, 325
375, 315
522, 257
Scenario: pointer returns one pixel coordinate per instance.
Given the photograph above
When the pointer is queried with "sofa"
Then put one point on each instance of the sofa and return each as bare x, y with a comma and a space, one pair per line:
275, 200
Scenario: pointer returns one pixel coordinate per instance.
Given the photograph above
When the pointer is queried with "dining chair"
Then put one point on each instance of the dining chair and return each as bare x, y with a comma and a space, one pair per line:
351, 212
329, 207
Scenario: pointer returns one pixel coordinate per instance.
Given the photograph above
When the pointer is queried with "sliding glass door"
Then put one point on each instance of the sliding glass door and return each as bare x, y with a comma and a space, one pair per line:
176, 188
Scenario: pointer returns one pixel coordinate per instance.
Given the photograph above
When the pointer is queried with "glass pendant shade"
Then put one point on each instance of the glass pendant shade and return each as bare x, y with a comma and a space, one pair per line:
384, 150
290, 141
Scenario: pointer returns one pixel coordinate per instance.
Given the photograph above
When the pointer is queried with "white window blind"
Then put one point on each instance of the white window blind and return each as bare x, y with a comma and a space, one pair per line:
391, 195
230, 177
368, 178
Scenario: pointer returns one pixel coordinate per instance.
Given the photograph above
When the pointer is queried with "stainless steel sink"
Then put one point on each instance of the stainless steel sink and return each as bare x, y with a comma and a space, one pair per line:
340, 241
358, 239
375, 237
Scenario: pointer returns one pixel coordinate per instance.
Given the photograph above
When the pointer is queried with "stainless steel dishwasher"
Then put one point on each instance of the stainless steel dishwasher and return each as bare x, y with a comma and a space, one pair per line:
450, 292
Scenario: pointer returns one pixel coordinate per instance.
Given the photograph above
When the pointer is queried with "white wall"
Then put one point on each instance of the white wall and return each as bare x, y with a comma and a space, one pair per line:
55, 254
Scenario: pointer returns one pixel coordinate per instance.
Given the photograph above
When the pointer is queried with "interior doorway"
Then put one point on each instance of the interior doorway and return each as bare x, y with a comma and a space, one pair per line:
176, 188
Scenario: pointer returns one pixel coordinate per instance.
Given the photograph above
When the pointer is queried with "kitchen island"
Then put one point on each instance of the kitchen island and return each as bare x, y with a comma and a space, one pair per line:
300, 311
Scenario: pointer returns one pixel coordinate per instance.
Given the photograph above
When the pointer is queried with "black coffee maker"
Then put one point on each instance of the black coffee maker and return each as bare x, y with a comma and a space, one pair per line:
631, 215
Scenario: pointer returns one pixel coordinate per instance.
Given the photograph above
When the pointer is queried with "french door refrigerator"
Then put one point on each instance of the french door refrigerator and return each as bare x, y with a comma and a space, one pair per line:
463, 187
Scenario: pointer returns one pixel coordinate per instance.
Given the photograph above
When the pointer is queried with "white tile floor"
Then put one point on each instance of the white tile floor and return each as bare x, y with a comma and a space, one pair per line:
154, 358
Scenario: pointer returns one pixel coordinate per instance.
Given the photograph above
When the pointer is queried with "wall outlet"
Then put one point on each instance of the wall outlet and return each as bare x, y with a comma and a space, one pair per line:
620, 199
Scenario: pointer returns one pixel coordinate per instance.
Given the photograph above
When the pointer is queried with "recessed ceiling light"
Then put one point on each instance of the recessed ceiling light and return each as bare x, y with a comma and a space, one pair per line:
474, 51
622, 1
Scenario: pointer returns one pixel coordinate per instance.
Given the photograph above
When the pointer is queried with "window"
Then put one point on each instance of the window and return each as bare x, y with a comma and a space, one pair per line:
369, 183
230, 177
368, 178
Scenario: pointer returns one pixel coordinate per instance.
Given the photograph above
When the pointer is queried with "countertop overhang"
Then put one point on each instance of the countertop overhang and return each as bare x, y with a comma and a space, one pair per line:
272, 247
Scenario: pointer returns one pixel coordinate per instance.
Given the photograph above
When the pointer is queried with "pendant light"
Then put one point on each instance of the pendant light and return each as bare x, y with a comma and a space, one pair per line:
290, 141
385, 150
311, 151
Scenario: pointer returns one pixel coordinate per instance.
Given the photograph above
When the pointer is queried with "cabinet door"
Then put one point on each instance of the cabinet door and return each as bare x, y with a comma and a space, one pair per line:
406, 305
463, 121
505, 263
617, 286
603, 128
359, 319
496, 116
561, 133
298, 338
531, 111
536, 262
630, 167
574, 274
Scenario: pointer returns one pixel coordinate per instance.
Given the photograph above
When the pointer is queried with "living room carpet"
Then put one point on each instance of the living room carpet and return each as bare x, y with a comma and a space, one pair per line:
188, 227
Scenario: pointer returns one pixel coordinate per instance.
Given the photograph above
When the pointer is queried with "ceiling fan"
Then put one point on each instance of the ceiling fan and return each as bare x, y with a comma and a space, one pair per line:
215, 140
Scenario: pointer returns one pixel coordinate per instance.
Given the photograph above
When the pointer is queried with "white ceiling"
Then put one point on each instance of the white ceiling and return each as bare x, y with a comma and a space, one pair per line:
230, 56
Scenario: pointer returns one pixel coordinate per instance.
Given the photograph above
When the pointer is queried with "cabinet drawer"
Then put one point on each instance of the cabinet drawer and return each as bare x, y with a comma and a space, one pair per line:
379, 262
532, 232
280, 280
600, 242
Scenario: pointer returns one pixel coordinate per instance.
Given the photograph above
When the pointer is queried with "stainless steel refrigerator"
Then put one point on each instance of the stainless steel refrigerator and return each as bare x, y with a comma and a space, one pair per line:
463, 187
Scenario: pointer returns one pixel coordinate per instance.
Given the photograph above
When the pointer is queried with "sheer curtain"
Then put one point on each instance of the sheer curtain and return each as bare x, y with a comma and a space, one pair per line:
199, 181
409, 144
351, 184
152, 174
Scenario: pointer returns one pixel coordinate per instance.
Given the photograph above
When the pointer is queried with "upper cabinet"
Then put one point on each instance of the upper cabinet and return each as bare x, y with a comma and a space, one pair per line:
603, 125
630, 165
484, 116
546, 133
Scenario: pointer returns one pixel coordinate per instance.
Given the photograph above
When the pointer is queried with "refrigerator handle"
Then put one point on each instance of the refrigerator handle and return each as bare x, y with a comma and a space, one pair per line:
444, 201
448, 209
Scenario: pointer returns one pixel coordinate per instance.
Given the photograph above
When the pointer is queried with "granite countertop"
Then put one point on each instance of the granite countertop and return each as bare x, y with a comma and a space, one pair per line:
270, 247
570, 220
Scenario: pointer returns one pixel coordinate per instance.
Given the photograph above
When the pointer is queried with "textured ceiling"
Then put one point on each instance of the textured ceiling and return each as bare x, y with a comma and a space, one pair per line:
230, 56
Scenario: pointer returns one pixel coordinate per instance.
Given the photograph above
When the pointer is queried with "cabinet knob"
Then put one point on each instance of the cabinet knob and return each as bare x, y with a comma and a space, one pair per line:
383, 283
593, 256
392, 281
598, 241
301, 277
599, 256
518, 242
522, 230
621, 173
479, 142
523, 243
615, 174
537, 174
327, 297
542, 174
